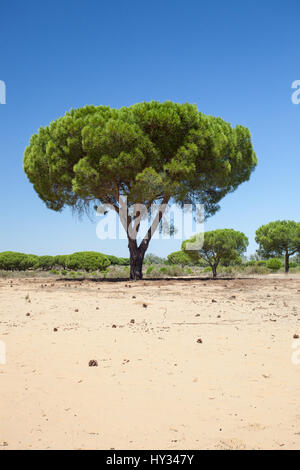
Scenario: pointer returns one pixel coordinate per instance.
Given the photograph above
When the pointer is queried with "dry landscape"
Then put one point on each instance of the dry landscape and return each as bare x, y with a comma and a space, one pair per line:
194, 364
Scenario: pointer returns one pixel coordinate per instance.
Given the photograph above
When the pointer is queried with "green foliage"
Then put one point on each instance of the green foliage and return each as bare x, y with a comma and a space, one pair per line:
179, 257
88, 261
219, 246
293, 264
148, 152
278, 238
148, 148
28, 262
149, 270
261, 262
175, 271
296, 259
14, 261
251, 262
60, 260
232, 262
115, 261
45, 262
207, 269
164, 270
153, 259
274, 264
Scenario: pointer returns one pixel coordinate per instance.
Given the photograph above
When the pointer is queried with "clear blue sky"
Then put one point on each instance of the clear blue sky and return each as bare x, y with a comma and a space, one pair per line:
233, 59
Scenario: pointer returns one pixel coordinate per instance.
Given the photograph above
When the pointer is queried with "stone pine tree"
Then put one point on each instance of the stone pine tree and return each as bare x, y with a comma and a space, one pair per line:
151, 153
279, 238
219, 246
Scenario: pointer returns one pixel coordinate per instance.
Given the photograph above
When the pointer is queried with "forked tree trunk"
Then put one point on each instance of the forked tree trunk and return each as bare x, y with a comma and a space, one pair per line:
137, 253
287, 262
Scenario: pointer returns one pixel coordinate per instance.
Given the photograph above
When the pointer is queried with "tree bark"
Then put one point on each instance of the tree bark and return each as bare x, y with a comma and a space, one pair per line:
136, 261
214, 270
287, 262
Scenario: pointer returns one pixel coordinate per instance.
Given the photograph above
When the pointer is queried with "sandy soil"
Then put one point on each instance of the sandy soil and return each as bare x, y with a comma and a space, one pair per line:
155, 386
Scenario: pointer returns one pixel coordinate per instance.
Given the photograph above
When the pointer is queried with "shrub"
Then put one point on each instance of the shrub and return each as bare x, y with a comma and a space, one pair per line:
60, 260
175, 271
232, 262
87, 260
115, 272
149, 270
45, 262
207, 269
261, 262
153, 259
293, 264
114, 260
179, 257
164, 270
252, 262
14, 261
254, 269
274, 264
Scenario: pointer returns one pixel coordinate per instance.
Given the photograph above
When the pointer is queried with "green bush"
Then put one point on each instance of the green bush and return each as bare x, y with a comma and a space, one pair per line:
164, 270
175, 271
261, 262
274, 264
14, 261
60, 260
45, 262
29, 261
232, 262
179, 257
293, 264
115, 261
254, 269
149, 270
150, 258
88, 261
252, 262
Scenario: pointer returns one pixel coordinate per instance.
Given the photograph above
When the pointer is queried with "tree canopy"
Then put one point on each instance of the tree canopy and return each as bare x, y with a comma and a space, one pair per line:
279, 238
219, 246
149, 153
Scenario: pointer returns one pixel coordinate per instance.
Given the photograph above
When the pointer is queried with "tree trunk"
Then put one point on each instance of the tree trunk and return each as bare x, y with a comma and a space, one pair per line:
137, 253
287, 261
136, 261
214, 270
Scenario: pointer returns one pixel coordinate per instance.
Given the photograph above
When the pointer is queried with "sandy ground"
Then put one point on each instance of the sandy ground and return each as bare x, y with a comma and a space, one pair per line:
155, 386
